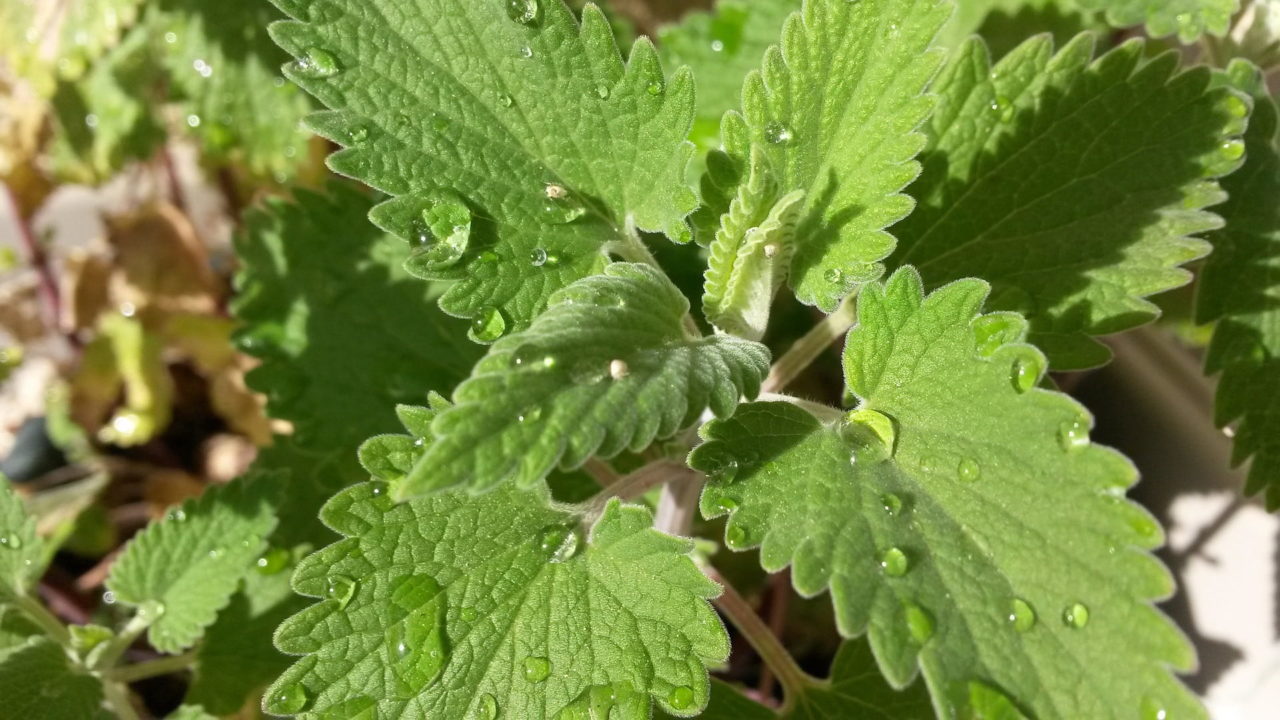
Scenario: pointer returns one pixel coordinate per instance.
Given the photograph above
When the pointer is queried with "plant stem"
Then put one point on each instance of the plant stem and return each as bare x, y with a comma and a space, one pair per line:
637, 483
779, 601
808, 348
678, 504
739, 612
152, 668
633, 249
51, 299
817, 409
121, 642
44, 618
601, 471
117, 697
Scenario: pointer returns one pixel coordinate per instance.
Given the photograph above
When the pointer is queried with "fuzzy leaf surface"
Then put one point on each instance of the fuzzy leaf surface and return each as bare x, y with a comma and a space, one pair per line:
987, 543
1240, 289
184, 568
1188, 19
608, 367
551, 140
21, 550
1073, 187
836, 107
455, 605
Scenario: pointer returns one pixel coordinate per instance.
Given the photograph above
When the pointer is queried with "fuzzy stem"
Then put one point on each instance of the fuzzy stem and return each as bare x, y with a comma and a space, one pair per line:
117, 697
601, 471
817, 409
637, 483
808, 348
44, 618
51, 299
152, 668
121, 642
793, 679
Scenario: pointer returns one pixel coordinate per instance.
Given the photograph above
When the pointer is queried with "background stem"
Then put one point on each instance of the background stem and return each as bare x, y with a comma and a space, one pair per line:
808, 348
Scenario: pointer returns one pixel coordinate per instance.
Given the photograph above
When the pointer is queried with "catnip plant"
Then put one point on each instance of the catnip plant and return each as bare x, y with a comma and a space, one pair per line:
604, 334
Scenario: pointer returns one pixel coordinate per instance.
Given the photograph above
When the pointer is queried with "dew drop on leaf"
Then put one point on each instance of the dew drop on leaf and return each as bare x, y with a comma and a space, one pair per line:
1028, 367
340, 588
1076, 616
992, 331
725, 505
12, 541
536, 669
894, 562
443, 233
272, 561
216, 553
602, 91
417, 645
381, 495
1021, 615
559, 542
1153, 710
488, 325
1236, 107
288, 700
968, 470
468, 614
655, 88
1073, 435
506, 100
525, 52
891, 503
151, 610
487, 707
681, 698
524, 12
835, 276
317, 63
777, 134
735, 536
870, 433
358, 708
530, 414
537, 257
177, 515
919, 622
1232, 150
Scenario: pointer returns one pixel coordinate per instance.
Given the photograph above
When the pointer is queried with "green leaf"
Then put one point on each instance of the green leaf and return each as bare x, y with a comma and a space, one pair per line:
237, 659
1189, 19
960, 517
1240, 289
608, 367
457, 605
320, 288
21, 550
556, 146
1072, 187
182, 570
1005, 24
750, 254
15, 628
721, 47
856, 689
225, 69
37, 680
836, 109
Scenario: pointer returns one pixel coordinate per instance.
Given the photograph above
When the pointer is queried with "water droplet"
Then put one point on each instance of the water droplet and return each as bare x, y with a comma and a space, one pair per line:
994, 330
870, 433
1153, 710
919, 622
1076, 616
151, 610
108, 598
417, 645
193, 121
537, 257
655, 88
177, 515
735, 536
288, 700
524, 12
357, 134
217, 553
968, 470
536, 669
777, 134
317, 63
488, 325
340, 588
618, 369
560, 542
563, 207
358, 708
681, 698
525, 52
602, 91
273, 561
725, 505
13, 541
835, 276
506, 100
443, 233
891, 503
1021, 615
1073, 435
487, 707
1232, 150
530, 414
1028, 367
468, 614
894, 562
